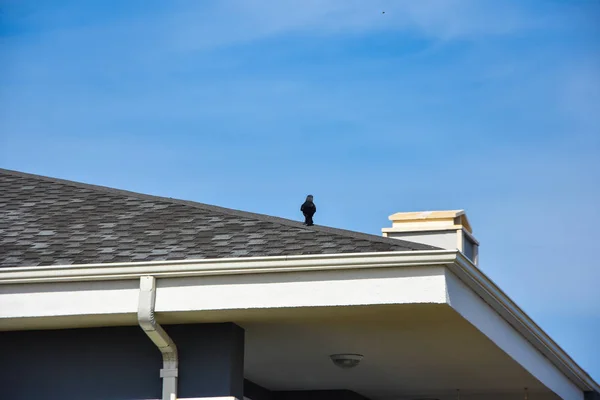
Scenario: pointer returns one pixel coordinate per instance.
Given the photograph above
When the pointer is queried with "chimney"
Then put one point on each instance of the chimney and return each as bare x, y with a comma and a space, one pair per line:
445, 229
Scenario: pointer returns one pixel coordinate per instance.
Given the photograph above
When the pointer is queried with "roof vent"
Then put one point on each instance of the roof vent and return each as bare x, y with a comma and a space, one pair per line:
446, 229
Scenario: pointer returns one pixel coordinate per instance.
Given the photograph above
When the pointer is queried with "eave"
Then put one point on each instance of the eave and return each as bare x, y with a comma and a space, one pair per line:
459, 265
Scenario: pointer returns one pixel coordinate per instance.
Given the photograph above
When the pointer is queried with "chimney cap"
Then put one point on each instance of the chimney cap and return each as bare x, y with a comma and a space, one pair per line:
458, 217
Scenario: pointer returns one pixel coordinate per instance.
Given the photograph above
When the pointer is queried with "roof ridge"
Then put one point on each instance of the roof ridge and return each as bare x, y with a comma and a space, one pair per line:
224, 210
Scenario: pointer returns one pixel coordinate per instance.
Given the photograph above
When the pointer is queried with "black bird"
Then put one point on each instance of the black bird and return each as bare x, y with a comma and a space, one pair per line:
309, 209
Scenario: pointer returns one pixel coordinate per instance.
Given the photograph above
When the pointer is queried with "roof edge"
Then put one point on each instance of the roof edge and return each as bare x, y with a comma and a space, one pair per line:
453, 259
221, 266
521, 322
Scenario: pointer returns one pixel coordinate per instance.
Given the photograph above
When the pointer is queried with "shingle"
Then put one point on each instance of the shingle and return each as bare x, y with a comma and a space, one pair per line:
46, 221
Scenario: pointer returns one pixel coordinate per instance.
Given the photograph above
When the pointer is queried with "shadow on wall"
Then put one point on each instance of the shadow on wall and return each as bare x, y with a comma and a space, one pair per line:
119, 363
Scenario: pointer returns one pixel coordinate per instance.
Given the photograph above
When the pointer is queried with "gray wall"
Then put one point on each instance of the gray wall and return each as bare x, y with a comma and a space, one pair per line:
119, 363
442, 239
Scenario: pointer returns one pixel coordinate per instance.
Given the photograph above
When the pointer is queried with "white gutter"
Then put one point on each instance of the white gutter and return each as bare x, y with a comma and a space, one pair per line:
453, 259
160, 338
223, 266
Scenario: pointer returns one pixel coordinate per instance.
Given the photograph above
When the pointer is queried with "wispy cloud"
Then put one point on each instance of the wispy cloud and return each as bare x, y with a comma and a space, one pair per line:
209, 24
233, 22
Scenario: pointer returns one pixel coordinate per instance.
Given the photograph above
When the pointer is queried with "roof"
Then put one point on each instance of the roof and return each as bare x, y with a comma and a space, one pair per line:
47, 221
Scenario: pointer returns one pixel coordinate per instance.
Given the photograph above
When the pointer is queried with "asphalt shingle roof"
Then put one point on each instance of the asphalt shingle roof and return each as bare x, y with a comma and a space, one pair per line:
47, 221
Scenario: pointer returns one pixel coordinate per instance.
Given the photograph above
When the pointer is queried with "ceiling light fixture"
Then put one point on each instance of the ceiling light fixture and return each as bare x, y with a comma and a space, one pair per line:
346, 360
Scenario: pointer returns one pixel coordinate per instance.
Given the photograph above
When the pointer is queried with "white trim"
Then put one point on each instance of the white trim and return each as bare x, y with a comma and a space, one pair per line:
508, 310
113, 300
459, 240
357, 287
225, 266
457, 262
475, 310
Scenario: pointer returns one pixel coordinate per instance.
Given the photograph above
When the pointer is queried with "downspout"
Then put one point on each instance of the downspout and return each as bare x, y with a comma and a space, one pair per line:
160, 338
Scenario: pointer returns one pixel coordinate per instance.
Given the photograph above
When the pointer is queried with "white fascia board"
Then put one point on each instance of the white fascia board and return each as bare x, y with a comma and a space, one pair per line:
225, 266
491, 294
112, 289
60, 299
475, 310
310, 288
330, 288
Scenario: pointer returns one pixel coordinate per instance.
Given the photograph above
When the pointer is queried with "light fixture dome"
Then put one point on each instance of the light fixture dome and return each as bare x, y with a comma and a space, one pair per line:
346, 360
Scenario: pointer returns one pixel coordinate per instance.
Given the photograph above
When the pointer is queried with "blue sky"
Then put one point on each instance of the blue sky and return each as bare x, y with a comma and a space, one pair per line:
491, 107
